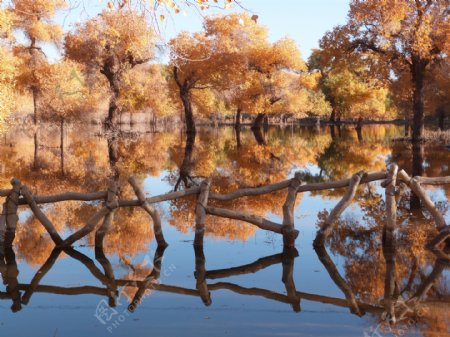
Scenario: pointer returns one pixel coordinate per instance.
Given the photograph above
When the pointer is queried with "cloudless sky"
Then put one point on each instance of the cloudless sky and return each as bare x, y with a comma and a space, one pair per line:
303, 20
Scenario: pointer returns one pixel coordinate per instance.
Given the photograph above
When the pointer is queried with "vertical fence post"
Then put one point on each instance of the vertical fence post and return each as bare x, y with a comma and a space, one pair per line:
288, 230
200, 275
389, 240
154, 214
9, 218
200, 212
111, 196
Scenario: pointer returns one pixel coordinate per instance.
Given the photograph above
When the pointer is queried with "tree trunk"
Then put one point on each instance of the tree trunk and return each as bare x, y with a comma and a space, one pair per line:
35, 104
332, 132
359, 129
186, 165
188, 113
237, 123
113, 155
36, 150
34, 89
111, 71
266, 122
62, 146
333, 116
418, 72
257, 124
113, 112
441, 117
418, 157
259, 136
238, 137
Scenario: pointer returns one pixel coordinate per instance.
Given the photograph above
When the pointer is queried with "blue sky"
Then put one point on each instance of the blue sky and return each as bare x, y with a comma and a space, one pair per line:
303, 20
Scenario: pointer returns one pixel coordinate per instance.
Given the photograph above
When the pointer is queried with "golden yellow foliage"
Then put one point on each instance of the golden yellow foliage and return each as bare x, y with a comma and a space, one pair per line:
112, 44
64, 94
7, 76
7, 66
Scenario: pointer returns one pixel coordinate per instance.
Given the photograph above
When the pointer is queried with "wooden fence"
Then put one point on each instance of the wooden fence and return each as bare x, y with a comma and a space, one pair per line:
394, 181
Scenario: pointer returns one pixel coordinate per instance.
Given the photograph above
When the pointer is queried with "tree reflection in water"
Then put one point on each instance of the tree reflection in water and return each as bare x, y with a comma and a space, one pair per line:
420, 301
370, 283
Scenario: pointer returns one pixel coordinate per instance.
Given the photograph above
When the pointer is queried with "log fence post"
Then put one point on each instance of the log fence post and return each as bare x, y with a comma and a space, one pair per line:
388, 241
111, 197
288, 229
9, 217
200, 212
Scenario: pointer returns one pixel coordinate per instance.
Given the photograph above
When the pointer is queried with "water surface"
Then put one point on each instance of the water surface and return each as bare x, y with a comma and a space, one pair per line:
255, 287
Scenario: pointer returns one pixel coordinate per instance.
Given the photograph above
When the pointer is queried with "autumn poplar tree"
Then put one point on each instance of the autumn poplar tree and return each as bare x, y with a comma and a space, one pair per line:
191, 58
112, 43
7, 65
409, 35
35, 19
233, 56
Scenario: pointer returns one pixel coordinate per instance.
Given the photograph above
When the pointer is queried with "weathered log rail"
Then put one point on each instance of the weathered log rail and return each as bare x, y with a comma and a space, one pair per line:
394, 180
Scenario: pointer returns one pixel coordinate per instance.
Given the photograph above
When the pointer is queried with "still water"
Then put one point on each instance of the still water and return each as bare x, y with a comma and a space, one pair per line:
255, 288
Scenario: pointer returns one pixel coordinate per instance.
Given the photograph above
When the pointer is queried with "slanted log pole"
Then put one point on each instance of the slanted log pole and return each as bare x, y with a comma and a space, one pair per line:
414, 184
153, 212
329, 224
41, 216
150, 280
443, 228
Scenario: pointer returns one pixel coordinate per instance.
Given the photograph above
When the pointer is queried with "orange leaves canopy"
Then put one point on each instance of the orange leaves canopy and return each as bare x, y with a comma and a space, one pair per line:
123, 34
